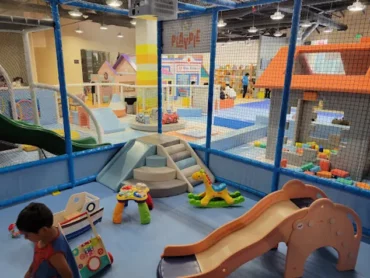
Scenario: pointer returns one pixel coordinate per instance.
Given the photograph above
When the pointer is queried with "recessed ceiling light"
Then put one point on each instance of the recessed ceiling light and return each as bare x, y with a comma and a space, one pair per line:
120, 35
133, 22
114, 3
103, 27
75, 13
357, 6
253, 30
277, 16
221, 23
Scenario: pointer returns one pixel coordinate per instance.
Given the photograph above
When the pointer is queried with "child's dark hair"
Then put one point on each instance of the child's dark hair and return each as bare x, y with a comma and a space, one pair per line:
34, 217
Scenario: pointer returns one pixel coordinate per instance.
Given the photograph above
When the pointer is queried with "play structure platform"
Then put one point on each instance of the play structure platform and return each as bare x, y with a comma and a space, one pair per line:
164, 163
300, 215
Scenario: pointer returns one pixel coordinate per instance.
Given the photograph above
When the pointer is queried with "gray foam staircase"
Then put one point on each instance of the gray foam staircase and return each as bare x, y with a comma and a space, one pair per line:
159, 178
182, 156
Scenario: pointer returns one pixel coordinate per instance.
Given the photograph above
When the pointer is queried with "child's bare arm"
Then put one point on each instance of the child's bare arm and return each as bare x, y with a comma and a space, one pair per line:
29, 272
59, 262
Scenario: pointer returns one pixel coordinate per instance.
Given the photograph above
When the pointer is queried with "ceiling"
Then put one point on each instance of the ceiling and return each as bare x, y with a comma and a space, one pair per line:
322, 13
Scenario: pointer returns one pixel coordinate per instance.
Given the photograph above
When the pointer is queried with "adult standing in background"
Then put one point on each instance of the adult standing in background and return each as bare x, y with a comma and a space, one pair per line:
245, 84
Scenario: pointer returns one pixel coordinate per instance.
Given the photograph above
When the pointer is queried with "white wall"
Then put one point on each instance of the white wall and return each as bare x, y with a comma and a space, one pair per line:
234, 53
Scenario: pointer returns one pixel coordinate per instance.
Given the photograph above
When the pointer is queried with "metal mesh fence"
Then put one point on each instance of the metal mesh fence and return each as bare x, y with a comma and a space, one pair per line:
328, 132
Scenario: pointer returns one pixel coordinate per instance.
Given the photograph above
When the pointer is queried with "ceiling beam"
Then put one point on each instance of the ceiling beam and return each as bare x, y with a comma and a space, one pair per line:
190, 7
93, 6
309, 31
222, 3
321, 19
257, 3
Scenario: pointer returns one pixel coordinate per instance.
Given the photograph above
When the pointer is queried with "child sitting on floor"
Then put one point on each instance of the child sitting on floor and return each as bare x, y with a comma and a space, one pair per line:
53, 256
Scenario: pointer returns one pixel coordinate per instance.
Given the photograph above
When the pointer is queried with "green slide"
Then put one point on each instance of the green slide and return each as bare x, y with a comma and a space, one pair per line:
24, 133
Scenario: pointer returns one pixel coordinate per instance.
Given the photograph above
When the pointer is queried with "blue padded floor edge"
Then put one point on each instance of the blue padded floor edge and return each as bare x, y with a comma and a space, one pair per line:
137, 248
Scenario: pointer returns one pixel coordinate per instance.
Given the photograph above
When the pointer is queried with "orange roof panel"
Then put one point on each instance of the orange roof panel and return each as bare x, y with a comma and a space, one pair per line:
354, 81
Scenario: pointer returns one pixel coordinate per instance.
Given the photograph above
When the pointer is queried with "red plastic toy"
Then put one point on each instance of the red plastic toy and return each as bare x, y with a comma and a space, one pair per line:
170, 118
13, 231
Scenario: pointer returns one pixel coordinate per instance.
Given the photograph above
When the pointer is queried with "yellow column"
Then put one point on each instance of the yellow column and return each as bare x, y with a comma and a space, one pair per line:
146, 60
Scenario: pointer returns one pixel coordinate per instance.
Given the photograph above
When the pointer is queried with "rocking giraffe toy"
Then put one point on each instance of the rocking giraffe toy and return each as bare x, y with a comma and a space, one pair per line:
215, 196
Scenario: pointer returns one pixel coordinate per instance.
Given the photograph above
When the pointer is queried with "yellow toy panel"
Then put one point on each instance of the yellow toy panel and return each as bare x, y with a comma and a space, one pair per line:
133, 192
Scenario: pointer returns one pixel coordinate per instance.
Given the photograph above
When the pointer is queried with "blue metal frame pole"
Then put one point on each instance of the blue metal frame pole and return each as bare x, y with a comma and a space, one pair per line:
93, 6
63, 88
191, 7
159, 53
211, 84
286, 92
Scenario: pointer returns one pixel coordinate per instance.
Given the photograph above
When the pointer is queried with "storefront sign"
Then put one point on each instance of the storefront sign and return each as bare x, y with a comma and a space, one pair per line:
187, 35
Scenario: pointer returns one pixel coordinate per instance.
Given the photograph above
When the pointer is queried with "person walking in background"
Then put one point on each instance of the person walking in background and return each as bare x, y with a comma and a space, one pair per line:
245, 84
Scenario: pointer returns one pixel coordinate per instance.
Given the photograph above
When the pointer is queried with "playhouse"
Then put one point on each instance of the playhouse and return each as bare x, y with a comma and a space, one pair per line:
123, 71
330, 87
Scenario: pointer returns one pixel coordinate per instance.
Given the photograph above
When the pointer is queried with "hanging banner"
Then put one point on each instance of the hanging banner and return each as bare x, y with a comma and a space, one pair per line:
187, 35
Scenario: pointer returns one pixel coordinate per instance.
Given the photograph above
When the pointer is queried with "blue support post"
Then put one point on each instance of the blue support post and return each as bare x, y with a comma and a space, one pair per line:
159, 53
286, 91
211, 84
63, 88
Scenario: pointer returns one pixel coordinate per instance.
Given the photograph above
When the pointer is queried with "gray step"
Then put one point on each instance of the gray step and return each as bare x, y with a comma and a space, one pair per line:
156, 161
175, 148
171, 143
154, 173
180, 155
186, 163
190, 170
163, 189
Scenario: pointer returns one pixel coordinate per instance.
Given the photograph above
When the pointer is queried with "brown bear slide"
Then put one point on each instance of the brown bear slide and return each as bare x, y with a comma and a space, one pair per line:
300, 215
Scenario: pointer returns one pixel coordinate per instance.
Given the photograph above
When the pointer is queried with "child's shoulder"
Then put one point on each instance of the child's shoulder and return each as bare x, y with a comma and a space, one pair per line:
60, 243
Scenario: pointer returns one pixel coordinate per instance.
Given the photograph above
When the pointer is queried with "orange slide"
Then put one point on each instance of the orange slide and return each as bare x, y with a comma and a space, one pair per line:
300, 215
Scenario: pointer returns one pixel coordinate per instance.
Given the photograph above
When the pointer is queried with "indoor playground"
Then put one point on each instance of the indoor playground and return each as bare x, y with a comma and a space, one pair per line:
206, 138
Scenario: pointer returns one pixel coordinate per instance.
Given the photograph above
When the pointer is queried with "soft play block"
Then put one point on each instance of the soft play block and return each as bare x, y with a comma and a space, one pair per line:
107, 120
324, 174
226, 103
325, 165
340, 173
189, 112
156, 161
345, 181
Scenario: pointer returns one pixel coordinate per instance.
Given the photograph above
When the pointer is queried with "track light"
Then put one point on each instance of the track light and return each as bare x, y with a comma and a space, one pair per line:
357, 6
277, 15
328, 30
75, 13
221, 23
114, 3
253, 30
278, 33
306, 23
78, 30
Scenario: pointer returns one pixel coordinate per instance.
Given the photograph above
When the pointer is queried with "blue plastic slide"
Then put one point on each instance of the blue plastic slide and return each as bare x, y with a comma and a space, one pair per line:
122, 165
